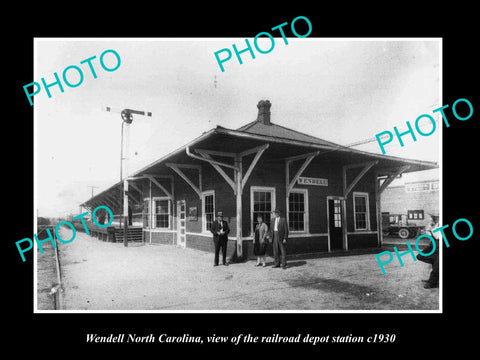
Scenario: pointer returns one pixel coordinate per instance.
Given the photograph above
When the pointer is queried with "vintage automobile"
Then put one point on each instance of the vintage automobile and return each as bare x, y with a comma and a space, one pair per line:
397, 224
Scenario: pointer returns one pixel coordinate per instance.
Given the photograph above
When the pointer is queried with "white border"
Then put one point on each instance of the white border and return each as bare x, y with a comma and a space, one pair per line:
440, 170
35, 189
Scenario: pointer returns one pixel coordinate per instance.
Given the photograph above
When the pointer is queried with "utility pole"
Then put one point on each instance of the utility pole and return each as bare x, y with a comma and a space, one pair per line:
127, 118
91, 186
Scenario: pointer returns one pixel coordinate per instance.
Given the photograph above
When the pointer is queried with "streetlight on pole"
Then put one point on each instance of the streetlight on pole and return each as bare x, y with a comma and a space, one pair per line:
127, 118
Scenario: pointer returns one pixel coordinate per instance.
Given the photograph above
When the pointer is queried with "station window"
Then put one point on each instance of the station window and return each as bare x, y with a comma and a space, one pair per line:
298, 210
262, 203
162, 213
208, 205
361, 211
415, 215
146, 213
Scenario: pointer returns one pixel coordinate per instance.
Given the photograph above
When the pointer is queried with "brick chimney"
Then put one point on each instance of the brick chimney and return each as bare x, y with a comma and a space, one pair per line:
264, 112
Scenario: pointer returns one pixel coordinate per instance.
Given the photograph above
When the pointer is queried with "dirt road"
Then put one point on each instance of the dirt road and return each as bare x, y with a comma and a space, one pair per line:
107, 276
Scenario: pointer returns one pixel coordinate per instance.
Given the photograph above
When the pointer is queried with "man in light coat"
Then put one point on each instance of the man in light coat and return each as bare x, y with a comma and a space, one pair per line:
279, 235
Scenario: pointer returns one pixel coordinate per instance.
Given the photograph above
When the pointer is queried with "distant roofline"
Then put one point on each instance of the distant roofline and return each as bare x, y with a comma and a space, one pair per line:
422, 181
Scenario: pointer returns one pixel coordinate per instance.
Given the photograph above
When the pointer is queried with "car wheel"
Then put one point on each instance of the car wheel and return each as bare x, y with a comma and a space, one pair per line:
404, 233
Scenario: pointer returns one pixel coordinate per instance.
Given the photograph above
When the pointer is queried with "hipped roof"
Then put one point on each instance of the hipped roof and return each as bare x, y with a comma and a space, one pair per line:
273, 133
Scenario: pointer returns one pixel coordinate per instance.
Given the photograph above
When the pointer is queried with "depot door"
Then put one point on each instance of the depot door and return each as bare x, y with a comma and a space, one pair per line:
181, 225
335, 224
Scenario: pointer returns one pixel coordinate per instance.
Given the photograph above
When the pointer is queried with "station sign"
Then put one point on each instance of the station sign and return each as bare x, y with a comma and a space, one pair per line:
312, 181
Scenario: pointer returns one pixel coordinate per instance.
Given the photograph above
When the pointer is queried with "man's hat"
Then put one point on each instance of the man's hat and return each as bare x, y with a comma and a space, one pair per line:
220, 214
277, 211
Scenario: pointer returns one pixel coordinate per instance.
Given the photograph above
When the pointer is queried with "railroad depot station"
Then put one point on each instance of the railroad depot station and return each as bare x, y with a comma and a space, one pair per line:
330, 194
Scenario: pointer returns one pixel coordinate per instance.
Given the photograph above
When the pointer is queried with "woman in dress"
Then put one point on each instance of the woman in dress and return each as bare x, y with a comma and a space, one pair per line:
260, 241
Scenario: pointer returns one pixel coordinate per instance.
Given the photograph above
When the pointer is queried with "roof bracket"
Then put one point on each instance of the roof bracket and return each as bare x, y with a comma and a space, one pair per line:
366, 166
308, 159
390, 178
177, 169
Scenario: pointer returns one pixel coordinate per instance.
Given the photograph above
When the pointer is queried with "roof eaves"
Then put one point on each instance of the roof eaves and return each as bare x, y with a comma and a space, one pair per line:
102, 193
205, 135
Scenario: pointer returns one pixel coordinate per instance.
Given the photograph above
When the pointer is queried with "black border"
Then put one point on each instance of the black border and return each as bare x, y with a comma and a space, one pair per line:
425, 332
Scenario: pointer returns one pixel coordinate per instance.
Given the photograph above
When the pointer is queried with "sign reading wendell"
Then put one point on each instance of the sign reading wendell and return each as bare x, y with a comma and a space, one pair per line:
312, 181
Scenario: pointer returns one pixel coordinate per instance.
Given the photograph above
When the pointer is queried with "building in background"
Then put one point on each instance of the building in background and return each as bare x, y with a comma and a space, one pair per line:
412, 201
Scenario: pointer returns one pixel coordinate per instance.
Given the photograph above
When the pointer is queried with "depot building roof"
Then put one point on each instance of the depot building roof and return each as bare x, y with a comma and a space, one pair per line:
283, 142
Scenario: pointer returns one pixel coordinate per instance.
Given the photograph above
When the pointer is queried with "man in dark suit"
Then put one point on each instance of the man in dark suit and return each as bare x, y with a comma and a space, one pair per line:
220, 231
279, 235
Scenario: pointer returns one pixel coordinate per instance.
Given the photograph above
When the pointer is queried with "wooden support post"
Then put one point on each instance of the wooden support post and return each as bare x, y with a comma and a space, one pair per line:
150, 211
287, 193
238, 163
344, 222
378, 212
125, 212
378, 197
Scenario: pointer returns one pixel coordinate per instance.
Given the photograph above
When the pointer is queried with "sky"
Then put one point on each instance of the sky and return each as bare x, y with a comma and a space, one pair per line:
341, 90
